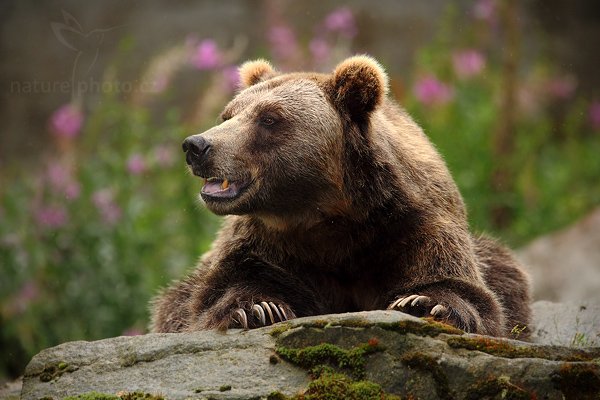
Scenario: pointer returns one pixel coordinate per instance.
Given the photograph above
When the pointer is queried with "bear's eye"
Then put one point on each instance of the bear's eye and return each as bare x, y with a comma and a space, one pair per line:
267, 121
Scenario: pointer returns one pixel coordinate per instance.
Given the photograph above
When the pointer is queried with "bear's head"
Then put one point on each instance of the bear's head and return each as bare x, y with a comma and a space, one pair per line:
280, 150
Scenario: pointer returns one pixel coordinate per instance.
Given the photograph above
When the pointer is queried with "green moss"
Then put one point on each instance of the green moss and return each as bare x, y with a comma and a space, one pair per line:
338, 386
128, 360
333, 386
503, 348
279, 329
318, 323
277, 396
425, 327
327, 364
351, 360
55, 371
497, 386
140, 396
119, 396
428, 328
429, 364
225, 388
578, 380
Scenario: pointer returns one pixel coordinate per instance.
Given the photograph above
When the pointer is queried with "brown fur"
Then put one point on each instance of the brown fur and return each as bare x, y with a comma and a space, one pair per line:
347, 206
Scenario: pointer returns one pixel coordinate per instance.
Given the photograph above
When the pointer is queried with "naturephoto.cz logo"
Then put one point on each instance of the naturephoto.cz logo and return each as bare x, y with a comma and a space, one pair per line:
87, 48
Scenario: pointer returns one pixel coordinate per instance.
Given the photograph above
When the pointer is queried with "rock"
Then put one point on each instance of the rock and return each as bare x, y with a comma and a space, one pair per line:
11, 390
571, 324
372, 352
565, 266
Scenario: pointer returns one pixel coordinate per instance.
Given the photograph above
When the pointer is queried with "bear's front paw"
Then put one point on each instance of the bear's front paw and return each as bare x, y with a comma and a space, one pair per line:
420, 306
260, 314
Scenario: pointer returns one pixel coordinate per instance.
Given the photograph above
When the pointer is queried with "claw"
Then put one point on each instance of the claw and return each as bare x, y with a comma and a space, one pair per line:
395, 303
424, 300
259, 313
242, 319
274, 308
267, 308
407, 300
438, 310
285, 317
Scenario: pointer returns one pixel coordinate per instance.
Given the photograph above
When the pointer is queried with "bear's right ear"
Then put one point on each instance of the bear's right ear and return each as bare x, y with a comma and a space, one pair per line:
253, 72
359, 84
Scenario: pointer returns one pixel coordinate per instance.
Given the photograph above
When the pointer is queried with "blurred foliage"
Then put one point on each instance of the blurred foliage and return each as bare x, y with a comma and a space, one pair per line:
87, 240
554, 165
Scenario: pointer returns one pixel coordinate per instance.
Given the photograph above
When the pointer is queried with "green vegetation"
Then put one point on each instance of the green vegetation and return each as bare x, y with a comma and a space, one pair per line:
504, 348
329, 366
333, 386
314, 357
428, 328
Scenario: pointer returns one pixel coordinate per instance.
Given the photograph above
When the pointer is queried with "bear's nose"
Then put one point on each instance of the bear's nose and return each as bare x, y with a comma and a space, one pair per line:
196, 147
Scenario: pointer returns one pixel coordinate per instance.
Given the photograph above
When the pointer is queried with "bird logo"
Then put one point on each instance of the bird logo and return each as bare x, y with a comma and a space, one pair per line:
87, 45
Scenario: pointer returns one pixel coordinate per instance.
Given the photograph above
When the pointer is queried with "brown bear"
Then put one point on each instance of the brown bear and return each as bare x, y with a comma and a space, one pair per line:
336, 201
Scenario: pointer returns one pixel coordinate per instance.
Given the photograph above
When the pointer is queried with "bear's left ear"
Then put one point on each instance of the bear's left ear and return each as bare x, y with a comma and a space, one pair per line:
359, 85
252, 72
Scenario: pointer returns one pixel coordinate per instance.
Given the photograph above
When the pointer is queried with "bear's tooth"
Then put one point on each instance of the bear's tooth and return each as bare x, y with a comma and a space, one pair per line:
225, 184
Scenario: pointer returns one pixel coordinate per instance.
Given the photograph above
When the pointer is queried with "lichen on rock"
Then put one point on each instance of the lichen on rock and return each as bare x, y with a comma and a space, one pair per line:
378, 354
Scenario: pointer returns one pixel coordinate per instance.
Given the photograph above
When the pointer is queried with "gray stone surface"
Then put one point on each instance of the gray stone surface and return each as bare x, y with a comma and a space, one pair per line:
11, 390
566, 324
412, 358
176, 365
565, 265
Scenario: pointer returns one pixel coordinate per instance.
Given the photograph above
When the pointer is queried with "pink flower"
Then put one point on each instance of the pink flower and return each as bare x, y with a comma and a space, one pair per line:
341, 20
51, 216
104, 202
429, 91
283, 41
58, 175
72, 190
485, 10
136, 164
562, 87
206, 55
231, 78
468, 63
61, 180
66, 121
594, 114
320, 49
163, 155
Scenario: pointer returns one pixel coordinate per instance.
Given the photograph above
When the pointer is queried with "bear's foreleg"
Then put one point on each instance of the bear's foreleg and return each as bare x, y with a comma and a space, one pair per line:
456, 302
250, 294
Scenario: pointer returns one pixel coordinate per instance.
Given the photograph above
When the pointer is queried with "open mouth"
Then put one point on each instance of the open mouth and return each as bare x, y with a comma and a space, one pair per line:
218, 188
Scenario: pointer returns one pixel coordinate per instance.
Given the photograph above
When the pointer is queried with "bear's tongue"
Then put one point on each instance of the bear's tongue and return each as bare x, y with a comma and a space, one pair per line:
220, 188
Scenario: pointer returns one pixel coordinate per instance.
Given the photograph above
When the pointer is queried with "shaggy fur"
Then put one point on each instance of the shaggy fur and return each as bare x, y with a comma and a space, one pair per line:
336, 202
